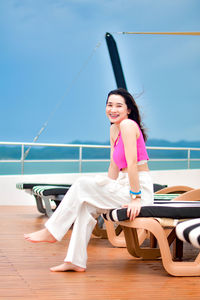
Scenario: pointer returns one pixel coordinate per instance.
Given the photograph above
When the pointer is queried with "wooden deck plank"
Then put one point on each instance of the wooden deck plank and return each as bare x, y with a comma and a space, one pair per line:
111, 272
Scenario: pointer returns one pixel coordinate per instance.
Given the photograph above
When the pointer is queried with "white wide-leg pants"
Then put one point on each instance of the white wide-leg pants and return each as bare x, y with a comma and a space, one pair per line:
86, 199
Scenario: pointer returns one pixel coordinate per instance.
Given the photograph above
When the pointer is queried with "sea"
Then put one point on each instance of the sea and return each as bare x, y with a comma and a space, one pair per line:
87, 167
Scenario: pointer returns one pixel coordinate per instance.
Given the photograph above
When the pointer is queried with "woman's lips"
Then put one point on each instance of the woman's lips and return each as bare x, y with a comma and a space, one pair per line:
114, 116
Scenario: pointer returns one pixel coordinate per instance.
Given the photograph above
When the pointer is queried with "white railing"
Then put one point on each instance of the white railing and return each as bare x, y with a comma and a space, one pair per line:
188, 159
80, 159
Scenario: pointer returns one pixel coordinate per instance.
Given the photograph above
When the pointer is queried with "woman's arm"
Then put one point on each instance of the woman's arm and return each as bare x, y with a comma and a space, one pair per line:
113, 170
130, 133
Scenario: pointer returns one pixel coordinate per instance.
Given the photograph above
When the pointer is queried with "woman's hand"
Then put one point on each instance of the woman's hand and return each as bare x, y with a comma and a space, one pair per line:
133, 209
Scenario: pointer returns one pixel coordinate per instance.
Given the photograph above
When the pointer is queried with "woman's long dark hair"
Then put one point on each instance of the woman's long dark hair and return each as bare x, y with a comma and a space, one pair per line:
131, 105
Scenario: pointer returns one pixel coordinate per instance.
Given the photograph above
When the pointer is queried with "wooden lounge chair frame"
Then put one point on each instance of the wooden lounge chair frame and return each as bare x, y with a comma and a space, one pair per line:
133, 246
116, 235
164, 239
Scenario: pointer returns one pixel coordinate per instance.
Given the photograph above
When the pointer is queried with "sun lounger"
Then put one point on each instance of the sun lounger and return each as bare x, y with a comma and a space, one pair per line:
44, 194
50, 193
162, 193
151, 219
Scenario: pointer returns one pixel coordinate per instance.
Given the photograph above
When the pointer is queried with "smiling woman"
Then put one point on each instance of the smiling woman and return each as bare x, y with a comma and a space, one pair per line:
127, 184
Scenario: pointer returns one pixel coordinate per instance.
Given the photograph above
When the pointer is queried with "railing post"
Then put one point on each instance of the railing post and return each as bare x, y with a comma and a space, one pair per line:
22, 159
80, 159
188, 158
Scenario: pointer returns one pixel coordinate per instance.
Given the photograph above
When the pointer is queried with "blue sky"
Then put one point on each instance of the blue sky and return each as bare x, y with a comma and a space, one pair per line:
50, 68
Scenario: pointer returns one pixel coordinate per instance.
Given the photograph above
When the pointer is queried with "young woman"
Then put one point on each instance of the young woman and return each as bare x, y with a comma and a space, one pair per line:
128, 184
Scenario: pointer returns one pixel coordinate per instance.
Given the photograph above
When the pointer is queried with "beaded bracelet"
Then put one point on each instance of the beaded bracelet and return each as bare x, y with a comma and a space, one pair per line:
135, 193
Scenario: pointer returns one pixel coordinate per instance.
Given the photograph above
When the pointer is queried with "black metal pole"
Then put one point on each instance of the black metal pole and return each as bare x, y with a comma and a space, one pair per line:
115, 60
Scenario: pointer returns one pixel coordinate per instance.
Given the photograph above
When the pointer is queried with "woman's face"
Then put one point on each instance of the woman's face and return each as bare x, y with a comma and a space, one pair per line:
116, 109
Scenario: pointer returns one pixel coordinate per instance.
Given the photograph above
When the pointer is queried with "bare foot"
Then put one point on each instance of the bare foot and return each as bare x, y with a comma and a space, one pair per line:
40, 236
67, 266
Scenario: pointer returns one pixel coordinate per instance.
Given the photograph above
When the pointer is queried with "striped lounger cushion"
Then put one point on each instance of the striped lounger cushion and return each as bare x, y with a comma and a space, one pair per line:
189, 231
25, 186
50, 190
173, 210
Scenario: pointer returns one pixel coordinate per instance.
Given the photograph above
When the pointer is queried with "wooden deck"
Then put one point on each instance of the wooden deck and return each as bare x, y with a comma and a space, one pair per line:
111, 273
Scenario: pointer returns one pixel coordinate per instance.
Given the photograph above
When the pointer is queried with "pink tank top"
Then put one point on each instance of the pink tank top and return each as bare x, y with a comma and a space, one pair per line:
119, 153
